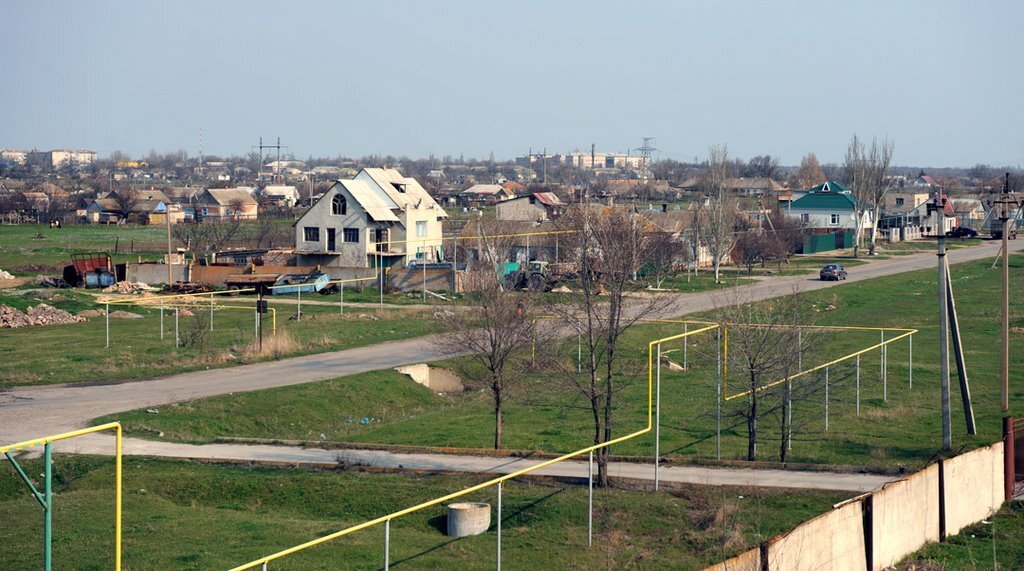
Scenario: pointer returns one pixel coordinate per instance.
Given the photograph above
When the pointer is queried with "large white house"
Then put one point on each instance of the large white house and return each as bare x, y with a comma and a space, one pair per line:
379, 216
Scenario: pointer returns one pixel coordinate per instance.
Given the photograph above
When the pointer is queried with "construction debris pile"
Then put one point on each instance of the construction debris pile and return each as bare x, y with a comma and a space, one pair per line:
129, 287
41, 314
6, 275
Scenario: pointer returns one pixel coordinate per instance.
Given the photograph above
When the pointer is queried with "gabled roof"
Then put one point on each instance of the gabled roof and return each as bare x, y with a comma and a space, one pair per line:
829, 186
757, 183
482, 189
369, 198
230, 196
405, 192
548, 199
826, 196
279, 190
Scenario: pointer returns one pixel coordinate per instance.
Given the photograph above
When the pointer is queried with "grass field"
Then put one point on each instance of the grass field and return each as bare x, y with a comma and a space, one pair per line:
991, 544
180, 515
542, 414
76, 352
29, 249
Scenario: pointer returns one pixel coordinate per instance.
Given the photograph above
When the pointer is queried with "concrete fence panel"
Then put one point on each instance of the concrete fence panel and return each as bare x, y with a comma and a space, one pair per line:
904, 517
749, 561
832, 541
411, 279
973, 487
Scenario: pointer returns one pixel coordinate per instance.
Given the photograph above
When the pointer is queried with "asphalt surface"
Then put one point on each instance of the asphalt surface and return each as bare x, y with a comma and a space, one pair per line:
30, 412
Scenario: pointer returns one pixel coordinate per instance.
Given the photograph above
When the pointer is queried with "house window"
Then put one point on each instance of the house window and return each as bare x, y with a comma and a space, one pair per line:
899, 202
312, 233
204, 212
351, 235
399, 187
339, 206
421, 229
805, 218
833, 219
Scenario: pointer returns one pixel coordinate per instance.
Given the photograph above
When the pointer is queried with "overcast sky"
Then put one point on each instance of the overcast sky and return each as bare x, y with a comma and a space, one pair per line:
941, 79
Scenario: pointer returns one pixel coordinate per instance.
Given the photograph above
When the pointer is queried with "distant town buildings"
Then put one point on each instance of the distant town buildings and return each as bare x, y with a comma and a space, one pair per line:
584, 160
60, 158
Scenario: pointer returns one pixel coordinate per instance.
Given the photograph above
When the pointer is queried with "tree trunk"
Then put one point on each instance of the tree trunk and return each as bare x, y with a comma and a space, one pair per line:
497, 418
752, 421
786, 396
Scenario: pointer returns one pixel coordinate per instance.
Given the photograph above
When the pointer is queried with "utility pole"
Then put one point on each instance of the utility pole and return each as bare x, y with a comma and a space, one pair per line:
937, 207
545, 163
1005, 202
167, 218
261, 146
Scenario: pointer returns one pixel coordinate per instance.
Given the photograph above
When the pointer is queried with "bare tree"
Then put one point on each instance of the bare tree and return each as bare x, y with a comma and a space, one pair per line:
750, 250
610, 245
267, 232
810, 173
496, 331
762, 166
717, 209
126, 201
866, 170
667, 254
206, 237
764, 347
785, 239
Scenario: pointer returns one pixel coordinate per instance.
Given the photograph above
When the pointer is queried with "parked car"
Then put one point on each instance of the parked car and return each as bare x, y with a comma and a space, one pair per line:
832, 272
962, 232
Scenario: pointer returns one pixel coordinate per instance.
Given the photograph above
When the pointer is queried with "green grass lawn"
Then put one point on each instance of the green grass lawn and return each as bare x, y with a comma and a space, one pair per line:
182, 515
137, 351
543, 414
992, 544
29, 249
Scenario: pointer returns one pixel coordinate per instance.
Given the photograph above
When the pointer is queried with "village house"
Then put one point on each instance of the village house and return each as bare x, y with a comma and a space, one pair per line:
222, 203
280, 195
485, 194
827, 207
377, 218
535, 207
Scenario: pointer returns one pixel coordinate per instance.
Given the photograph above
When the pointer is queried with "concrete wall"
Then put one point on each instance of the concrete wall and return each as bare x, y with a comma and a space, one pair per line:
436, 379
831, 541
749, 561
905, 516
411, 279
973, 486
155, 273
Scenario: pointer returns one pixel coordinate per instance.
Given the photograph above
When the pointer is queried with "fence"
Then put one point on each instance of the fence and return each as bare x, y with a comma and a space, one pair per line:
876, 530
827, 242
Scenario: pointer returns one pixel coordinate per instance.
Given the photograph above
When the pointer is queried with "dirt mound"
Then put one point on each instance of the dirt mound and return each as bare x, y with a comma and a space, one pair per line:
41, 314
129, 287
10, 317
33, 269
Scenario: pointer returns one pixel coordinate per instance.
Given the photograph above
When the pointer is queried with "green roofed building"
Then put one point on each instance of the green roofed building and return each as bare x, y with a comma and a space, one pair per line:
828, 206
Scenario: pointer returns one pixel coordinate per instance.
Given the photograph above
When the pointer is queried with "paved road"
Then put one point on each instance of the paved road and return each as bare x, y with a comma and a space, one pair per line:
29, 412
